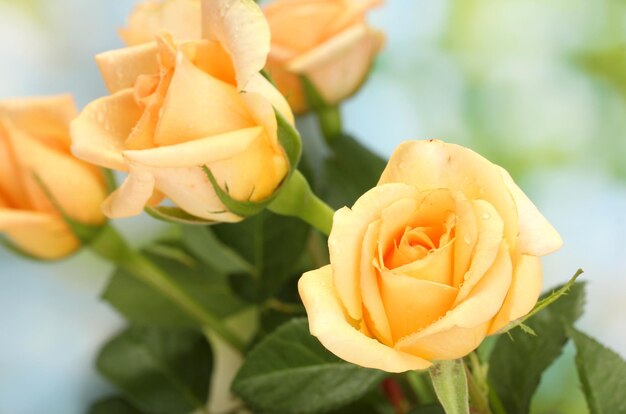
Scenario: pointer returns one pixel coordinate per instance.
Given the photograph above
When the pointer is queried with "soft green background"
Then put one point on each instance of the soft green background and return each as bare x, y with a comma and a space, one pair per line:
535, 85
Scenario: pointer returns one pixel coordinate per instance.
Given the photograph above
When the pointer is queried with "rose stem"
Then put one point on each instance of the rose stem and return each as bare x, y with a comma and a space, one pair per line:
111, 246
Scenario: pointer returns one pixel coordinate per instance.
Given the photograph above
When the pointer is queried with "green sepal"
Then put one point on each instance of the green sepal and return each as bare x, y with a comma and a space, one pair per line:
291, 143
290, 140
268, 76
314, 99
84, 232
450, 382
109, 180
176, 215
542, 304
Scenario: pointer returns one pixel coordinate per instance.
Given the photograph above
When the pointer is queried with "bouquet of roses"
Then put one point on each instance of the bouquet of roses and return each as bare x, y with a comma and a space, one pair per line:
303, 277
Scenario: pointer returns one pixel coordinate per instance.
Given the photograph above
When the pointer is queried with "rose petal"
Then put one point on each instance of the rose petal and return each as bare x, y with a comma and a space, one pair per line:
466, 233
536, 237
462, 329
490, 232
77, 186
190, 189
198, 152
339, 66
302, 25
453, 343
198, 105
100, 131
435, 164
240, 27
253, 174
523, 294
44, 118
412, 304
259, 85
42, 235
328, 323
353, 13
131, 197
345, 239
179, 17
373, 307
120, 68
11, 186
435, 267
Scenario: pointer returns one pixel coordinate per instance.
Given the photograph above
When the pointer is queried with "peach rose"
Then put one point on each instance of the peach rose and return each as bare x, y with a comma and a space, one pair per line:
444, 251
328, 41
179, 17
35, 142
178, 107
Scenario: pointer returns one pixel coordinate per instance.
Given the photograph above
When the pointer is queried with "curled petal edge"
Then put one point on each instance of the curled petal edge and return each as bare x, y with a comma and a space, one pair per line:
328, 323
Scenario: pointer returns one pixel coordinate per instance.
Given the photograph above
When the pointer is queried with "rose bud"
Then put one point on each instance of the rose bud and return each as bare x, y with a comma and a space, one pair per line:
443, 252
327, 41
194, 122
40, 180
179, 17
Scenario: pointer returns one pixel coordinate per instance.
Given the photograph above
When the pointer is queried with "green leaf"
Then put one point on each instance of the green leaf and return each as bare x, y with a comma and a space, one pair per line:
542, 304
349, 171
290, 372
450, 383
142, 304
291, 143
602, 373
203, 243
176, 215
113, 405
518, 360
160, 371
428, 409
272, 244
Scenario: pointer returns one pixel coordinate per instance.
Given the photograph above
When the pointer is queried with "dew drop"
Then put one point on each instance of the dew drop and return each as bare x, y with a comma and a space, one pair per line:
486, 216
467, 239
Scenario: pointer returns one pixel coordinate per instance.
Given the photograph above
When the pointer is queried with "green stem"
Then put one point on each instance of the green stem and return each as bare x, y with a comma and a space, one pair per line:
111, 246
329, 118
477, 397
298, 200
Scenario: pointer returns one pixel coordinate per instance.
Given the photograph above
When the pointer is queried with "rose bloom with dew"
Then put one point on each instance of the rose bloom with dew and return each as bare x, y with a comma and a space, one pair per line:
444, 251
179, 106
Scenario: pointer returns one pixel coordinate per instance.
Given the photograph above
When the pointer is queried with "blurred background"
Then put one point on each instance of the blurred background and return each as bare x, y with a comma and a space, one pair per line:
538, 86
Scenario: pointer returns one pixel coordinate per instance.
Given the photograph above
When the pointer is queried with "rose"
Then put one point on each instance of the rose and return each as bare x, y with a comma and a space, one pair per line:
444, 251
178, 107
328, 41
36, 163
179, 17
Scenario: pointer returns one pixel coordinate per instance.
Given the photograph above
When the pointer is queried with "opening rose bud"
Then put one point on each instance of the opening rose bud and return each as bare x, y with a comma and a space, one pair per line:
39, 176
443, 252
326, 41
180, 111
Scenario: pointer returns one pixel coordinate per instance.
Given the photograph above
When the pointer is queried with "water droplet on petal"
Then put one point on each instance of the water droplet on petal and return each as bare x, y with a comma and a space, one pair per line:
467, 239
486, 216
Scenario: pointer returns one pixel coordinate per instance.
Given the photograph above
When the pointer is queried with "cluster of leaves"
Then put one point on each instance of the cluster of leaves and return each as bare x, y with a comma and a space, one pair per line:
162, 362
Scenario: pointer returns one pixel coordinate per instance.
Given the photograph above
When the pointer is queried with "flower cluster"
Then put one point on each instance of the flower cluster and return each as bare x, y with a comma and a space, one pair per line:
201, 118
